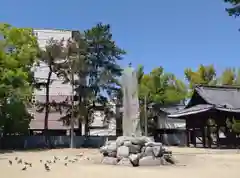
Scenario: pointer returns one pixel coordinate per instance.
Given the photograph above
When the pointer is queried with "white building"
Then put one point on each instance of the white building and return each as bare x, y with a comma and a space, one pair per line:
58, 90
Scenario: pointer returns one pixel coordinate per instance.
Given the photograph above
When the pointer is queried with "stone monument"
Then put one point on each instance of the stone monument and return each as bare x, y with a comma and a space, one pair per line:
131, 120
132, 148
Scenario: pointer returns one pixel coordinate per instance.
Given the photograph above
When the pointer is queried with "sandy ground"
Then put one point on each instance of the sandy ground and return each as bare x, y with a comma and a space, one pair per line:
193, 163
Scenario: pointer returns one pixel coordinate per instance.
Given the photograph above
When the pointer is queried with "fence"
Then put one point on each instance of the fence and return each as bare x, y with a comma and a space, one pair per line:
31, 142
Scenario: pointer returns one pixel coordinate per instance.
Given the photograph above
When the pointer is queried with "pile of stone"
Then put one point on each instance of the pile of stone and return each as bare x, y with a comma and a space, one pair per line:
135, 151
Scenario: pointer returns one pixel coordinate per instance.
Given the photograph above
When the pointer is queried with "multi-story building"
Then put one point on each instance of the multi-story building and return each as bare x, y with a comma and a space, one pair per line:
58, 90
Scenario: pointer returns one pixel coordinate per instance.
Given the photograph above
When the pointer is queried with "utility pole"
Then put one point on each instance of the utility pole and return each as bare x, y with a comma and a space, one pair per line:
145, 117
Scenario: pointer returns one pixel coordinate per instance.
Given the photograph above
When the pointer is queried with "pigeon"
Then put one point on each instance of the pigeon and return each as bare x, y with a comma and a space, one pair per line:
29, 164
169, 160
10, 162
19, 161
66, 158
54, 161
24, 168
75, 159
49, 162
16, 158
65, 164
40, 161
47, 168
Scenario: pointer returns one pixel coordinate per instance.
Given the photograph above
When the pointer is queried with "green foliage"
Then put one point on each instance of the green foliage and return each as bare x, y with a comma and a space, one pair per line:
52, 54
161, 87
228, 77
18, 51
234, 125
93, 59
235, 9
204, 75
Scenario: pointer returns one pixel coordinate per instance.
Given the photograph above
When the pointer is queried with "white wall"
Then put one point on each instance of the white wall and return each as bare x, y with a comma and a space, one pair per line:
43, 35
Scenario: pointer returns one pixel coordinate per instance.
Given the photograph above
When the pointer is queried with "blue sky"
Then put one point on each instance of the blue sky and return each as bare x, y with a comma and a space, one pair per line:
172, 34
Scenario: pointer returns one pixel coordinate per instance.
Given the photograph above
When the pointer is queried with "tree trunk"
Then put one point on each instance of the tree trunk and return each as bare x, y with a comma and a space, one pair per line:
86, 128
79, 119
47, 106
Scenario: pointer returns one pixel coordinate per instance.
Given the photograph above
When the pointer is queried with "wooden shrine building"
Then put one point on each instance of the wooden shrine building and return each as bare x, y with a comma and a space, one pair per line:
212, 116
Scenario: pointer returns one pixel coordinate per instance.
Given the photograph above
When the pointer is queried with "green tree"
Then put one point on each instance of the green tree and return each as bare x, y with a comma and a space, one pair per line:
237, 78
94, 57
18, 52
158, 87
161, 87
53, 53
235, 9
228, 77
204, 75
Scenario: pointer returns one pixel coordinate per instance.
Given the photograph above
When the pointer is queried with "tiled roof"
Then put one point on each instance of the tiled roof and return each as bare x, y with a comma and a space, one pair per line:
225, 96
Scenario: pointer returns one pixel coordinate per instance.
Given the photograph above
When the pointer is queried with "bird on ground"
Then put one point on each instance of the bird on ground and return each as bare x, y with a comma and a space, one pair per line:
19, 161
56, 158
169, 160
65, 164
54, 161
24, 168
49, 162
16, 158
75, 159
66, 158
40, 161
29, 164
47, 168
10, 162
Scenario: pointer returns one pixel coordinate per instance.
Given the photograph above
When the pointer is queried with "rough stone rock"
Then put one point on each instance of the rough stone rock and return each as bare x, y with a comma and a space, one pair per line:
134, 159
123, 152
109, 160
143, 149
120, 140
153, 144
157, 151
149, 161
134, 148
148, 151
141, 140
127, 143
109, 147
124, 162
112, 154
